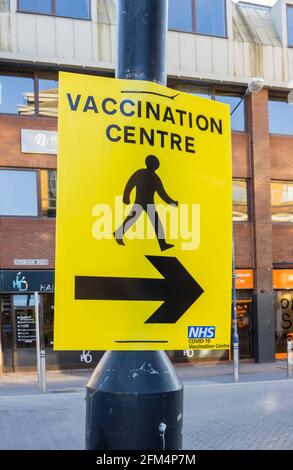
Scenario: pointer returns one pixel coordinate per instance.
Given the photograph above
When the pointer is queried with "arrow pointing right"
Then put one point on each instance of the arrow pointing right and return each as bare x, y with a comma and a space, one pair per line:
177, 289
180, 290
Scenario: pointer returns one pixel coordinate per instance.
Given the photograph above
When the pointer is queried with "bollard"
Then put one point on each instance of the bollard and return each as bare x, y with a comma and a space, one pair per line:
289, 357
134, 402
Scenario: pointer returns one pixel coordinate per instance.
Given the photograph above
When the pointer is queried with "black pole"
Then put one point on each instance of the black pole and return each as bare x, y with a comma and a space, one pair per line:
134, 400
142, 37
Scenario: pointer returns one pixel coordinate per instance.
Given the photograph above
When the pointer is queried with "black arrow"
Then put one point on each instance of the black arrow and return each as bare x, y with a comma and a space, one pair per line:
177, 289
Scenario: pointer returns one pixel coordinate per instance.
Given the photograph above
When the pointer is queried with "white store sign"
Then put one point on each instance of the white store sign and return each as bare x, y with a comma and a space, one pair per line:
39, 141
30, 262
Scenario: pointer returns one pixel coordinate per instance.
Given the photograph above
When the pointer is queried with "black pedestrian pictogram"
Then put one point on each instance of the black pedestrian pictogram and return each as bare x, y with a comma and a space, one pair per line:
147, 183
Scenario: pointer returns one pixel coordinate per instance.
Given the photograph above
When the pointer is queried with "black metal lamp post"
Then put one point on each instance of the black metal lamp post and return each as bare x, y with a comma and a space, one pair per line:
134, 399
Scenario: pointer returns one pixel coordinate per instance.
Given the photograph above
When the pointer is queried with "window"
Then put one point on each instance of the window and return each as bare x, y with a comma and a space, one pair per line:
180, 15
201, 91
79, 9
290, 25
35, 6
210, 17
238, 118
48, 97
280, 117
282, 201
240, 206
18, 193
15, 94
198, 16
238, 122
48, 190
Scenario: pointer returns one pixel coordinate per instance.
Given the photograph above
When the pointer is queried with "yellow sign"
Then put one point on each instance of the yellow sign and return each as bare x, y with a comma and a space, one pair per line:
144, 218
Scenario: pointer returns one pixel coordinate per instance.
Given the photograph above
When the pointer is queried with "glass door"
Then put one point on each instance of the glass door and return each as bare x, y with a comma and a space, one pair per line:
25, 332
7, 334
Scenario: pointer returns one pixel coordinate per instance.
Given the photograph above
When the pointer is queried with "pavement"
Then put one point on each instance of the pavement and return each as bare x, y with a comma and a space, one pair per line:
255, 413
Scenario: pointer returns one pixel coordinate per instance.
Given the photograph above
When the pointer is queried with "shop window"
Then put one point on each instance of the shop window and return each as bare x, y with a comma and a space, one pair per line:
79, 9
48, 97
48, 191
290, 24
282, 201
284, 318
240, 205
238, 117
280, 117
18, 193
17, 95
198, 16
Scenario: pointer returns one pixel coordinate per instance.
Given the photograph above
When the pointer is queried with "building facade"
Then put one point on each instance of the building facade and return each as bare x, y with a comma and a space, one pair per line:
214, 48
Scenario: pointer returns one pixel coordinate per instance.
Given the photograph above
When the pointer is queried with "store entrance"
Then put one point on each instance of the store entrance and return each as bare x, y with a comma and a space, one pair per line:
18, 332
24, 338
244, 327
18, 335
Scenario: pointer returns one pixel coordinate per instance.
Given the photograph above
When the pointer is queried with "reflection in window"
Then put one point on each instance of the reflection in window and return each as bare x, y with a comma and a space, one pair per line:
18, 193
201, 91
240, 206
48, 97
280, 117
15, 94
198, 16
48, 190
282, 202
238, 117
284, 318
79, 9
24, 300
290, 25
35, 6
180, 15
210, 17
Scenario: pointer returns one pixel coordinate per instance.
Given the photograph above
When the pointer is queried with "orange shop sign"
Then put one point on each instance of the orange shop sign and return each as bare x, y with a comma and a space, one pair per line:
283, 278
244, 278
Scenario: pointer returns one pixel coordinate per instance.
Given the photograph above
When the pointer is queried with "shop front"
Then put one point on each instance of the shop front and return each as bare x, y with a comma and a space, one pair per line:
244, 289
283, 293
18, 329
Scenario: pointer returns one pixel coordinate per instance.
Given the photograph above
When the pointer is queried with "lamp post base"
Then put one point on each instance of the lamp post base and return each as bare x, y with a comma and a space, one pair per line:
134, 401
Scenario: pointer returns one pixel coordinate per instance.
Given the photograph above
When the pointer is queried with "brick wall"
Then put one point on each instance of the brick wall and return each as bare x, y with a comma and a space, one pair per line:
25, 237
283, 244
281, 150
243, 245
261, 190
240, 151
10, 153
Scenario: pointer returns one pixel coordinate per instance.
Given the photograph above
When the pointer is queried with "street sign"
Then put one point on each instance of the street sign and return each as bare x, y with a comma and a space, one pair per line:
144, 218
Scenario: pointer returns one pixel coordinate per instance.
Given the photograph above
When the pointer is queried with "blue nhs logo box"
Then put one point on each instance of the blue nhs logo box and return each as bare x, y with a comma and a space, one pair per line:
201, 331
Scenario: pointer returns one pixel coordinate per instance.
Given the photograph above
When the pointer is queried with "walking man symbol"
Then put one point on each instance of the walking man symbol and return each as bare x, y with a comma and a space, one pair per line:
147, 184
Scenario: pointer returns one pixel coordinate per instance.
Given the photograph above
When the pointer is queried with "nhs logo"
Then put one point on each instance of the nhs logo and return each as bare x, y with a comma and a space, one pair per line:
201, 331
